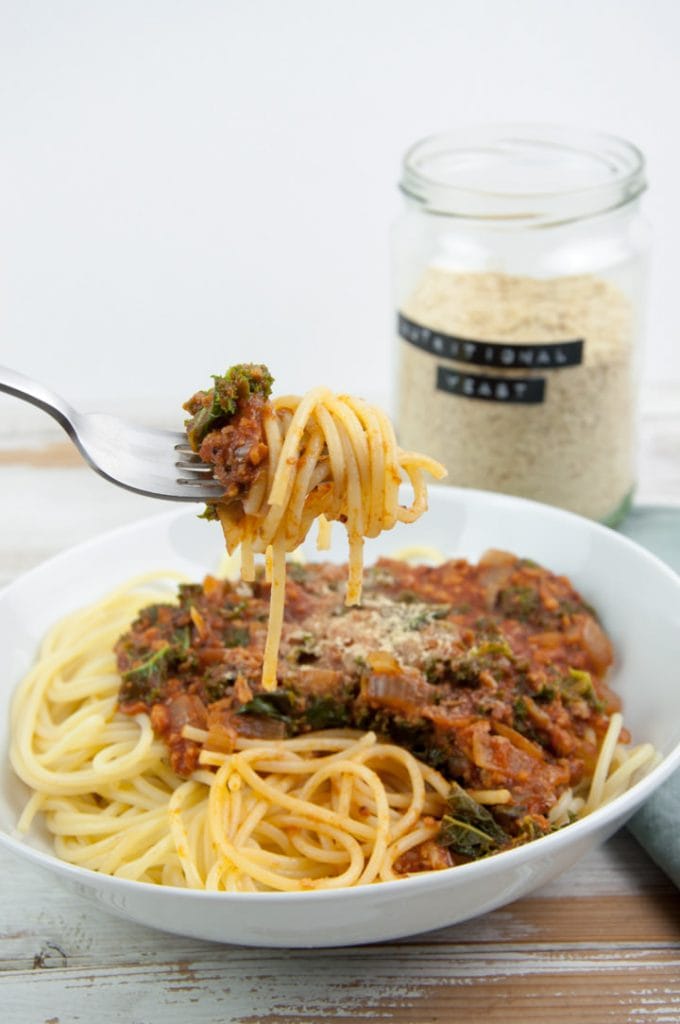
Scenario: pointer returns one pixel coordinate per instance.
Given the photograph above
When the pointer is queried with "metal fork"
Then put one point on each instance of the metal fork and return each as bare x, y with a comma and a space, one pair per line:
159, 463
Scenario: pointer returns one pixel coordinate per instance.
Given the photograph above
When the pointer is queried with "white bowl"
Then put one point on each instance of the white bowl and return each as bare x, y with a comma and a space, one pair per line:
637, 596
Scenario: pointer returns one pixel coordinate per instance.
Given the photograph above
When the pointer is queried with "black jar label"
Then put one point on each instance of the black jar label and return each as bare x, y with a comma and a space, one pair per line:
491, 389
529, 355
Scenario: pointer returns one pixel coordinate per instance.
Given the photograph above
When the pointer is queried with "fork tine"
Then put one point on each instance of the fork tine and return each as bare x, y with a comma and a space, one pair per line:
198, 482
188, 473
195, 467
189, 456
196, 475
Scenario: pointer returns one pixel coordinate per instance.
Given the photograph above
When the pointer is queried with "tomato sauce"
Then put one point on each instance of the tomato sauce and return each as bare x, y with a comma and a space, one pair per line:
493, 673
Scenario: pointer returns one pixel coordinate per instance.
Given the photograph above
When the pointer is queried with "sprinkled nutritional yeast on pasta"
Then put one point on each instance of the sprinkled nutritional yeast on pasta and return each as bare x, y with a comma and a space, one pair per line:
524, 415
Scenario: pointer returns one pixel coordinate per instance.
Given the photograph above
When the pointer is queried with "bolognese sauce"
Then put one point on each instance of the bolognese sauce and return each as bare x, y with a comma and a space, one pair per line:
494, 673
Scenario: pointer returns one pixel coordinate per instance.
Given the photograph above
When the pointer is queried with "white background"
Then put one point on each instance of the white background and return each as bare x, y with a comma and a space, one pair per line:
188, 184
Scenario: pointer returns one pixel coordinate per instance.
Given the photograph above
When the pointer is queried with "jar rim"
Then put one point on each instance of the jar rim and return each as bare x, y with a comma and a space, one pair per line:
522, 174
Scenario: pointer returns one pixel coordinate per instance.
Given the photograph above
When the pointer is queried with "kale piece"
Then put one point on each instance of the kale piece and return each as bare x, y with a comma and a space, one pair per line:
519, 713
209, 512
579, 683
546, 694
326, 713
530, 829
487, 656
213, 409
218, 683
145, 682
416, 735
521, 603
278, 705
236, 636
468, 828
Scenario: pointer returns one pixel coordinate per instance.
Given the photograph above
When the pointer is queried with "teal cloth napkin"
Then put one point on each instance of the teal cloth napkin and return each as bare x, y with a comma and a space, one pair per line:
656, 826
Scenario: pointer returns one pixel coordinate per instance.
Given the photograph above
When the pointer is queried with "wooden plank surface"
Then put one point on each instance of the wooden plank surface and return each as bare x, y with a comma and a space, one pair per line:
601, 943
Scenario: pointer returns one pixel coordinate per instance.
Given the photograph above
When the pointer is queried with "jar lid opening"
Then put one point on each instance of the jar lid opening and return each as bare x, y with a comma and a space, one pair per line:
536, 174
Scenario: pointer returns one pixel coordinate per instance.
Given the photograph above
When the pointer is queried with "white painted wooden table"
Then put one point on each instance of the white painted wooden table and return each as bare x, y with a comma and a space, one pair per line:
600, 944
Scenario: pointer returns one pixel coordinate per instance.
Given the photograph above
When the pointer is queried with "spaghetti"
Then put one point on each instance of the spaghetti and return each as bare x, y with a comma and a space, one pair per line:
322, 810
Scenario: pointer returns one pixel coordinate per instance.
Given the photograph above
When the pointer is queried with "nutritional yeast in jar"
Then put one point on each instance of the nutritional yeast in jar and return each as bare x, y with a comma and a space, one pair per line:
519, 268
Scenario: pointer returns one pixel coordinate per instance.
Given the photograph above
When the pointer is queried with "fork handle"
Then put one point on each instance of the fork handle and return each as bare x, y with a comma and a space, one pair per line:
20, 386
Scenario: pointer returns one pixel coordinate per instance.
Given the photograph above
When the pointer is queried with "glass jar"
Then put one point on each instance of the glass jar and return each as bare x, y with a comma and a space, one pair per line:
519, 270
